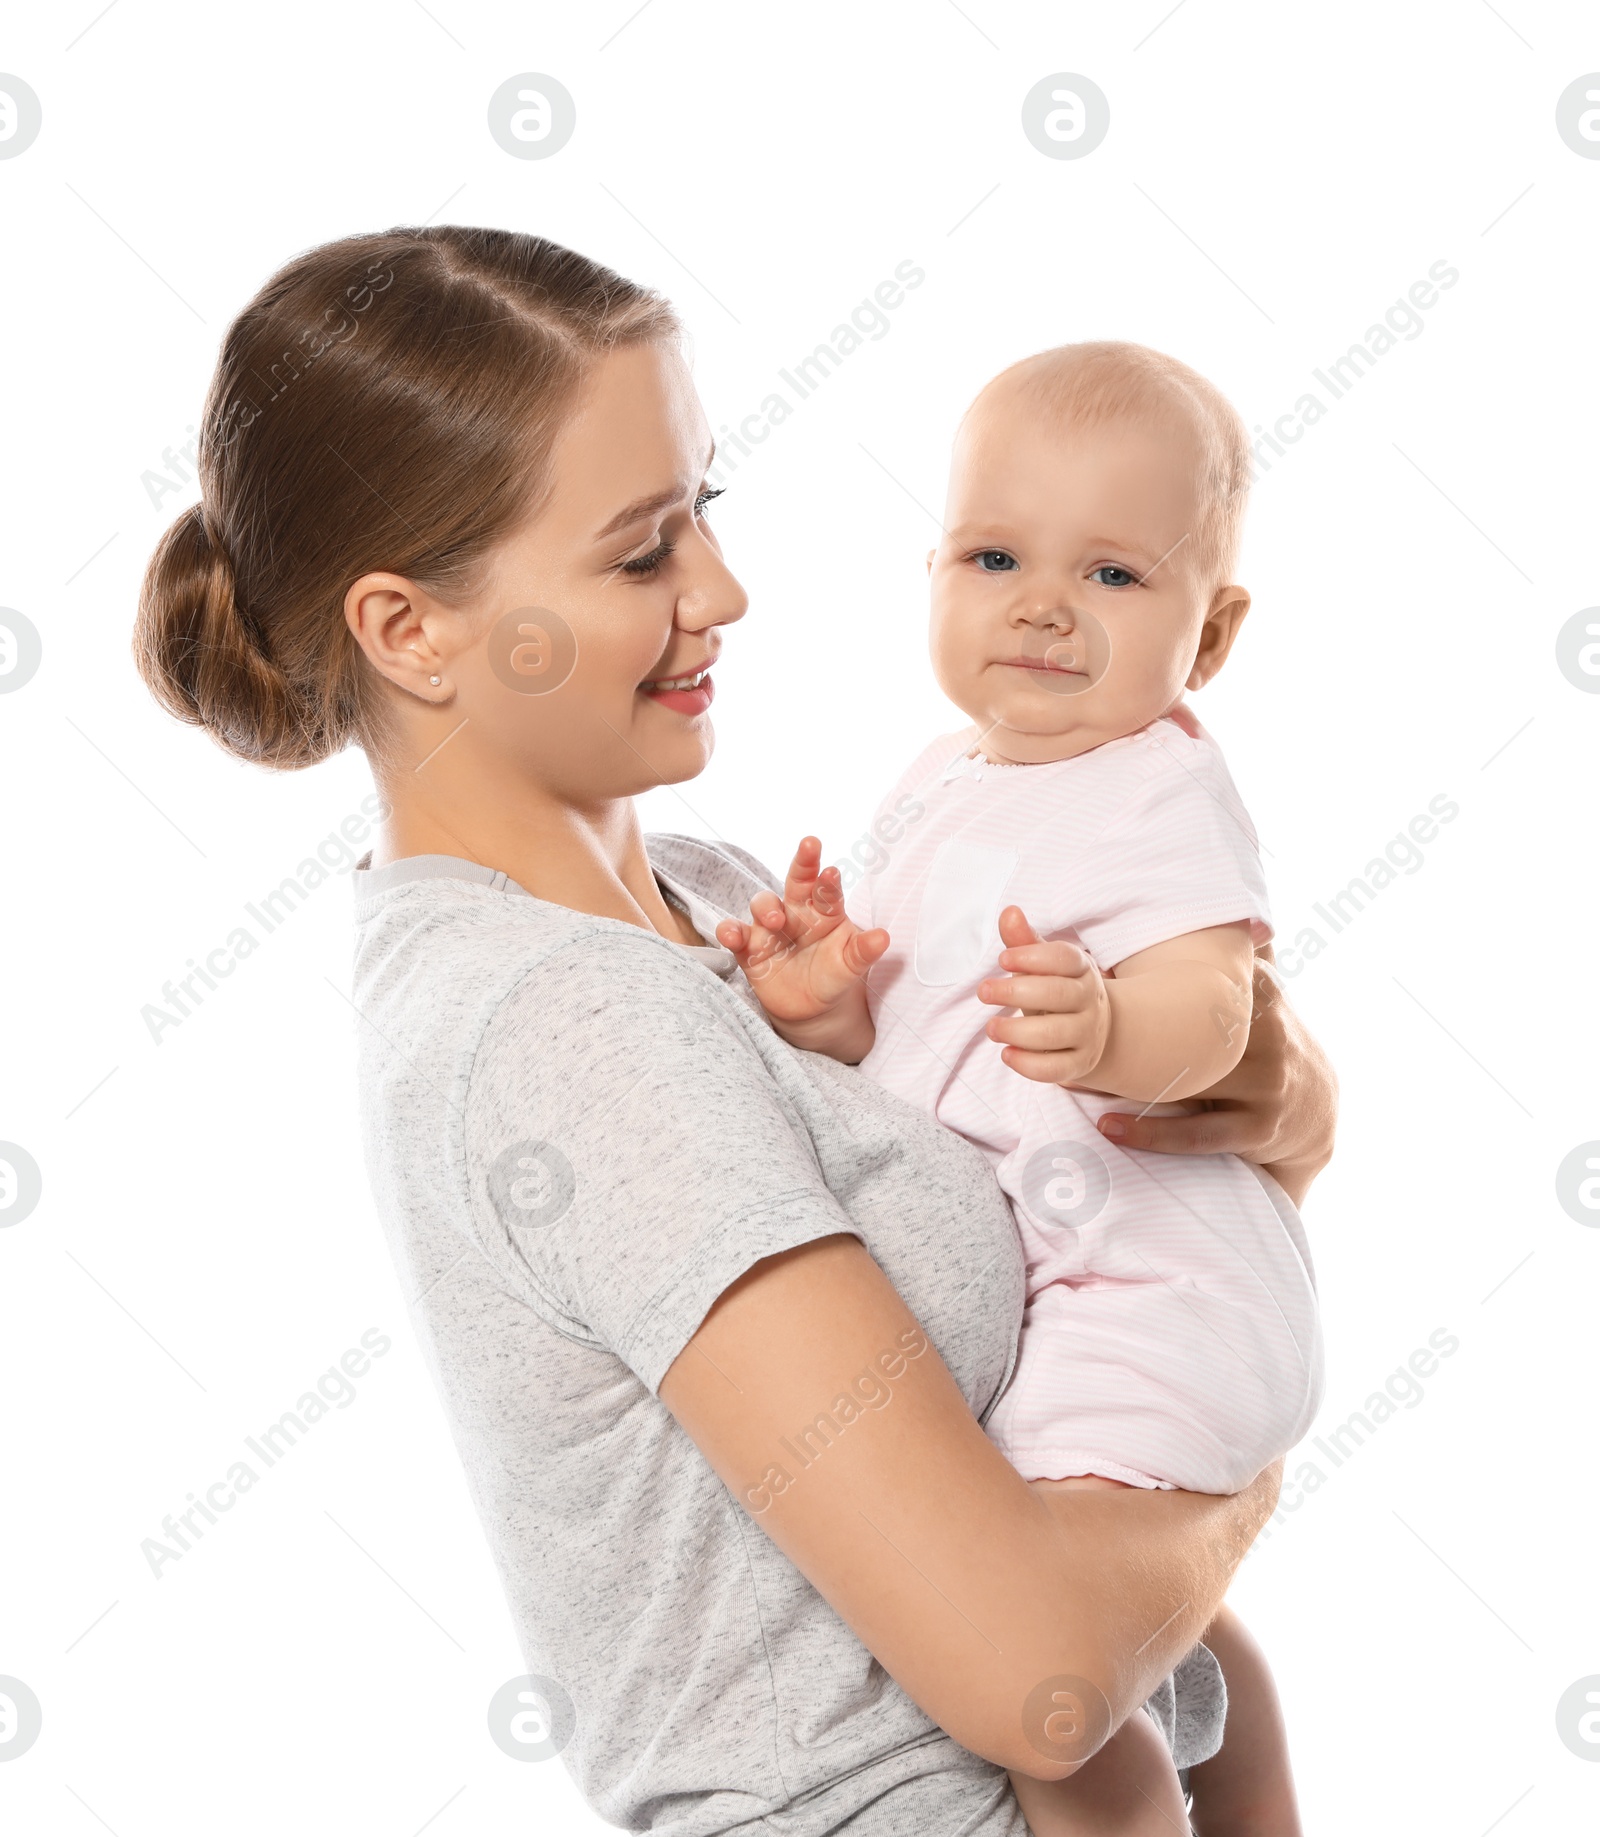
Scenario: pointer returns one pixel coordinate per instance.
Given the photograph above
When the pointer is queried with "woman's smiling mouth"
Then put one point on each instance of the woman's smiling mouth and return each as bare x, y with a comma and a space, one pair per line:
691, 694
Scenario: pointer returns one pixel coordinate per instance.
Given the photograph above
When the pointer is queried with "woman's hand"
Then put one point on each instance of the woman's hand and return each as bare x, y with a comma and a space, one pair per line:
1277, 1107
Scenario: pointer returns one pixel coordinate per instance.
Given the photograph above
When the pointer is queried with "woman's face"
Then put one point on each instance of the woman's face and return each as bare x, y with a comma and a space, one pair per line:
612, 592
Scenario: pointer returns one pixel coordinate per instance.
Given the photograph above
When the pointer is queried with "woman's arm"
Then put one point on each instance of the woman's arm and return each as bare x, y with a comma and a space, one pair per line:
1277, 1107
989, 1604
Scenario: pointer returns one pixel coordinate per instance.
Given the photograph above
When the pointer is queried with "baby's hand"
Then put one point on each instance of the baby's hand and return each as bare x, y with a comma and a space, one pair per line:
1065, 1020
802, 955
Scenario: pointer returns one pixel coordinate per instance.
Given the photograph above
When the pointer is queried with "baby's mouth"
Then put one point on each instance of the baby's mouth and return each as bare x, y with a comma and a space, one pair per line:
1040, 665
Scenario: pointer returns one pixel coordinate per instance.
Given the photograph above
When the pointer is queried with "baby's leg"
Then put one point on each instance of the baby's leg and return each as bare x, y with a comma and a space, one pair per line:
1129, 1789
1247, 1788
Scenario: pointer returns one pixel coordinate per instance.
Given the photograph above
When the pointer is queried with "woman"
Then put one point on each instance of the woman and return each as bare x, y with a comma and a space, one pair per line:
714, 1320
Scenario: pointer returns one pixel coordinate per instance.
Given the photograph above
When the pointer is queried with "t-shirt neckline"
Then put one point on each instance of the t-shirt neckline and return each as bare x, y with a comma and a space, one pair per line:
963, 765
370, 881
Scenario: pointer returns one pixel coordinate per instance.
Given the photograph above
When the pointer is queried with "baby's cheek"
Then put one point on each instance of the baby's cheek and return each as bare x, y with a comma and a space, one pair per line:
956, 650
1144, 674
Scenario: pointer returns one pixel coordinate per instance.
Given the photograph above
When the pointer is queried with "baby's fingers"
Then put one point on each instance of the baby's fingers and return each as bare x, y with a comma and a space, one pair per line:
1043, 1067
837, 962
731, 935
1040, 994
774, 917
1015, 929
757, 949
827, 894
751, 945
863, 948
1038, 1032
1056, 959
802, 875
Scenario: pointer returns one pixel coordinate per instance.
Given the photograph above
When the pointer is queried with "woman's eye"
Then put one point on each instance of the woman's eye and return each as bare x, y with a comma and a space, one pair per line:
1123, 577
647, 564
995, 561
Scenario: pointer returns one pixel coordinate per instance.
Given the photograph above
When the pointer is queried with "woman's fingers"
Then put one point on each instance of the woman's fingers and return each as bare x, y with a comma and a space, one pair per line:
1206, 1132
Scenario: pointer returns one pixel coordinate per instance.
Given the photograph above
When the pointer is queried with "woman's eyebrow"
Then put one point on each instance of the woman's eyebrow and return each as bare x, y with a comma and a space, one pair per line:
639, 509
647, 507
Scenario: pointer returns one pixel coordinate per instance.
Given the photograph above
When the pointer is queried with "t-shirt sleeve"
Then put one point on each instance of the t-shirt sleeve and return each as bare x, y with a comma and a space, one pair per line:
630, 1150
1179, 855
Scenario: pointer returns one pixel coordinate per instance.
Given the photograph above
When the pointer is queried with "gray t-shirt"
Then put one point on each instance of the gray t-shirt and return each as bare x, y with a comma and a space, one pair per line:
579, 1133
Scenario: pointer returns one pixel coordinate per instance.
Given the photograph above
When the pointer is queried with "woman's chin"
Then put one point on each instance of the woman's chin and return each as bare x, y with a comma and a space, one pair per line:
673, 759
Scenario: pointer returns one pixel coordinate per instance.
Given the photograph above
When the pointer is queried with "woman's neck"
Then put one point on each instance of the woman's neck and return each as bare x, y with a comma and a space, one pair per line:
590, 860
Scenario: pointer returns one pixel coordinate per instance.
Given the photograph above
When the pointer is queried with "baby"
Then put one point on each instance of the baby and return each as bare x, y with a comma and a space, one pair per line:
1067, 924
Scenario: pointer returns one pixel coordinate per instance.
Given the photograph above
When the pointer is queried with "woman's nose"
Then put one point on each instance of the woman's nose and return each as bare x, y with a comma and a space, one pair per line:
716, 599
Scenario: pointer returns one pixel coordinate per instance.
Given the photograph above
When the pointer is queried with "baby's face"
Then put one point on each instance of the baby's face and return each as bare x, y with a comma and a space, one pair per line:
1066, 611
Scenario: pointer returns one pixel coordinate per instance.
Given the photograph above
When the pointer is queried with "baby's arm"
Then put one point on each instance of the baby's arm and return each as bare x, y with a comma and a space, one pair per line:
1169, 1022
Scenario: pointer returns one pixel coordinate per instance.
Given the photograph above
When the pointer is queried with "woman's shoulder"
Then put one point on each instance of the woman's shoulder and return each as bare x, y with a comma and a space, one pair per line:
451, 949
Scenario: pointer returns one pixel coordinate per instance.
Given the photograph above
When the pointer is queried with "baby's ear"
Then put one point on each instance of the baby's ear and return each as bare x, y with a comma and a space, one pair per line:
931, 554
1228, 608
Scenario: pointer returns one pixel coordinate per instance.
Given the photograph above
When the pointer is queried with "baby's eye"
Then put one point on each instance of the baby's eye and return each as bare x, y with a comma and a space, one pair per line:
1123, 577
995, 561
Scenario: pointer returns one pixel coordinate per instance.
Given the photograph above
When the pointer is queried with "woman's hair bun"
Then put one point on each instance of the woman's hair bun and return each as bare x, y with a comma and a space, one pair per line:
201, 660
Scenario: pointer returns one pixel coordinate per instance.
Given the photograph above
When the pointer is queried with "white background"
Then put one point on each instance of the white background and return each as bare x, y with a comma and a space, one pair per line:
1273, 180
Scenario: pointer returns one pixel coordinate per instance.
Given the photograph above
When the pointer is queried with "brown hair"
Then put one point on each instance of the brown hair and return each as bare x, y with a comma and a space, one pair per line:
1106, 380
386, 401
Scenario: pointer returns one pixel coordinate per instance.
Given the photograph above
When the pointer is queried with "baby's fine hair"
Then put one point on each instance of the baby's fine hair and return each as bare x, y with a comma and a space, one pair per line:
1104, 380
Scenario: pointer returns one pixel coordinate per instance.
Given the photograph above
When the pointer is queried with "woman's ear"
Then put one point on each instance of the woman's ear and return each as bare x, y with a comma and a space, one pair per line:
1228, 608
390, 618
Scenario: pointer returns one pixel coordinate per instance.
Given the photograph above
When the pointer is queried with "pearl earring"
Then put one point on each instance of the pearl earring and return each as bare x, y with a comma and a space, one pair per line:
434, 680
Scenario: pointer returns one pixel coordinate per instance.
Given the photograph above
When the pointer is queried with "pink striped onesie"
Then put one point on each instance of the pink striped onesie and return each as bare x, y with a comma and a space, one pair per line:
1170, 1336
